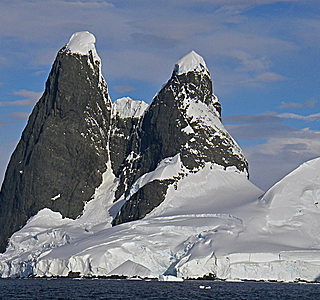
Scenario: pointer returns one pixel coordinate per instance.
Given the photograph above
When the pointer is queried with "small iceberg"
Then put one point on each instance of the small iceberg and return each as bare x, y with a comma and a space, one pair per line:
203, 287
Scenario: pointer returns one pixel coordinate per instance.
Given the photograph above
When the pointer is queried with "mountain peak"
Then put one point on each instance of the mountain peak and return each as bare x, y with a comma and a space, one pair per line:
82, 43
127, 108
190, 62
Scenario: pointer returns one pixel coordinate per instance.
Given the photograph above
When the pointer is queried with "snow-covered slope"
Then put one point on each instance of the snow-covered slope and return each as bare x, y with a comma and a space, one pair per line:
294, 203
127, 108
211, 222
49, 245
82, 43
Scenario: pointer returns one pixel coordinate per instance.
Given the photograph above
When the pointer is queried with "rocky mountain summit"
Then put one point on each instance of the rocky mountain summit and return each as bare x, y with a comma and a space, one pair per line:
182, 120
62, 152
74, 133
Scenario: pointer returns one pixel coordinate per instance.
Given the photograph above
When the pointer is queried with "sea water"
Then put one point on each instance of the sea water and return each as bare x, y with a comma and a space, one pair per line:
127, 289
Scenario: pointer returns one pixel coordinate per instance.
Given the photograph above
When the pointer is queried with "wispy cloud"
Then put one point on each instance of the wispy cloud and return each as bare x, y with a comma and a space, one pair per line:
152, 24
30, 99
154, 41
309, 103
267, 77
252, 119
123, 88
19, 115
278, 156
272, 148
237, 2
270, 117
312, 117
250, 63
280, 149
251, 132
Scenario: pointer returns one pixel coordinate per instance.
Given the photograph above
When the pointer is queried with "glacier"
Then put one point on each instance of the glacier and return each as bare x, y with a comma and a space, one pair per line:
213, 221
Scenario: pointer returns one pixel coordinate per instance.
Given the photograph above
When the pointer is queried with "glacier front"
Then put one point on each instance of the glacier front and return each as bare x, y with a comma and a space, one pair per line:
212, 222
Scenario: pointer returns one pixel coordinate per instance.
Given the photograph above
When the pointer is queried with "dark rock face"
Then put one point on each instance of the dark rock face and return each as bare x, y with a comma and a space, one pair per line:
184, 117
144, 201
126, 115
63, 149
120, 133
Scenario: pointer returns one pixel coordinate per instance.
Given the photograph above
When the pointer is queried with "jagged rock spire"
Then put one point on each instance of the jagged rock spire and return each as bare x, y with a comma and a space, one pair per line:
183, 119
63, 149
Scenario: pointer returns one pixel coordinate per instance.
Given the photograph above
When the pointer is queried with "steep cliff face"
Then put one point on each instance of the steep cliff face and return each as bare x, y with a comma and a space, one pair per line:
63, 149
184, 119
126, 114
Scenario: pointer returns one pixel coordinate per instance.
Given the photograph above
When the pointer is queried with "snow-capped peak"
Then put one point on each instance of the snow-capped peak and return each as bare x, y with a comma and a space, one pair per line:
82, 43
127, 108
190, 62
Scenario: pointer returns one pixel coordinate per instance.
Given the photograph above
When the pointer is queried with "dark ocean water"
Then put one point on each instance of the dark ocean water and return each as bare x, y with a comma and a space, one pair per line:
126, 289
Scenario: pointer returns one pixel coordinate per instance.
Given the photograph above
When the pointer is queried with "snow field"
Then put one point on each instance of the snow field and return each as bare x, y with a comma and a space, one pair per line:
194, 232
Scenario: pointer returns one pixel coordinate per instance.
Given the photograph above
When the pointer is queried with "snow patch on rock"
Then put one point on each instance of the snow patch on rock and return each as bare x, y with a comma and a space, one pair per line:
168, 168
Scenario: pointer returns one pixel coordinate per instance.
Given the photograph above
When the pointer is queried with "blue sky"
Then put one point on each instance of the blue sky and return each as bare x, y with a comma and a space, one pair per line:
263, 56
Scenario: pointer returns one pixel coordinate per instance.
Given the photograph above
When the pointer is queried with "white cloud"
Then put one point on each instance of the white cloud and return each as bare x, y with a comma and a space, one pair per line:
298, 144
252, 119
272, 160
30, 99
19, 115
309, 103
248, 62
272, 148
123, 88
267, 77
312, 117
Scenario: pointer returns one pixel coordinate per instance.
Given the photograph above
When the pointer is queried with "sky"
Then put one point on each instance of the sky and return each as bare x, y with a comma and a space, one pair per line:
263, 57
